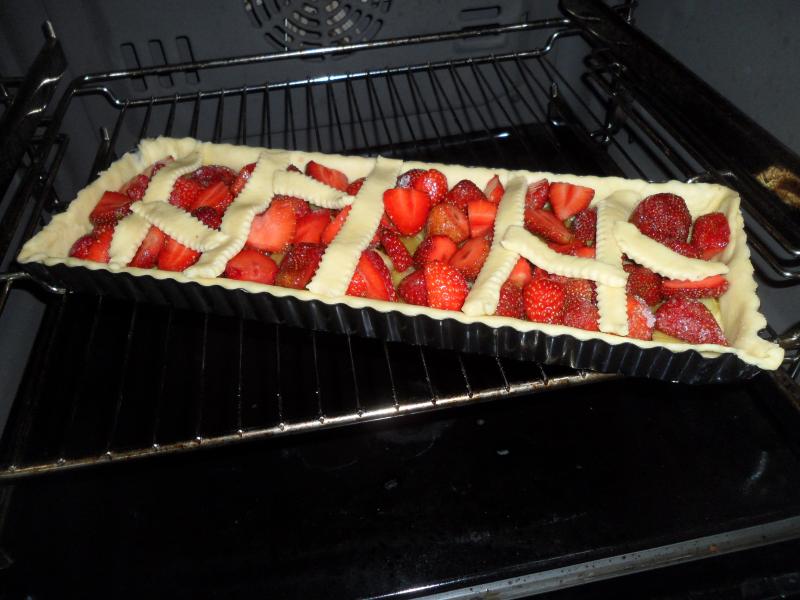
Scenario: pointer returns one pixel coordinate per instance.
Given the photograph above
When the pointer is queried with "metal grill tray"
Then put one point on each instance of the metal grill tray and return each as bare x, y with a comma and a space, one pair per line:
597, 355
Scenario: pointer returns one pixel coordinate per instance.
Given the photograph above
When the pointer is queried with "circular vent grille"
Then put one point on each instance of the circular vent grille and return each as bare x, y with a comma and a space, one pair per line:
296, 25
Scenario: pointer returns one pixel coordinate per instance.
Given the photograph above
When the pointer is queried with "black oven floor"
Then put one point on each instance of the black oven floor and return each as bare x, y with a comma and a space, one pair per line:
586, 473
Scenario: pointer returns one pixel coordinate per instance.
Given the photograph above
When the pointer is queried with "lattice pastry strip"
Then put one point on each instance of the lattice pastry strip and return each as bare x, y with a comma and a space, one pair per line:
485, 293
180, 225
292, 183
131, 231
341, 256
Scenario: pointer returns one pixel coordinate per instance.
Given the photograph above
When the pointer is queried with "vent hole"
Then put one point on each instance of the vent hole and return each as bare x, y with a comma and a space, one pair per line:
159, 58
130, 59
186, 54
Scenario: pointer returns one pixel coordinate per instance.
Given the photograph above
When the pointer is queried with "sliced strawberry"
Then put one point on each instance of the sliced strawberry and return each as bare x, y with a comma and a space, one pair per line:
412, 288
111, 208
663, 217
158, 165
710, 287
372, 278
310, 227
547, 225
216, 196
251, 265
174, 256
690, 321
355, 186
398, 253
568, 199
711, 234
330, 177
432, 182
582, 315
93, 246
644, 283
568, 249
580, 290
462, 193
273, 229
335, 225
299, 265
386, 223
543, 300
242, 178
682, 248
494, 190
584, 226
446, 219
446, 287
147, 254
470, 257
641, 320
481, 214
435, 247
208, 216
136, 187
407, 208
521, 273
585, 251
208, 175
510, 303
537, 195
185, 192
300, 207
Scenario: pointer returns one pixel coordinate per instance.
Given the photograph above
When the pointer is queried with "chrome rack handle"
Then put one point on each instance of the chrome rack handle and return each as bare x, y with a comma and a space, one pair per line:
7, 281
767, 172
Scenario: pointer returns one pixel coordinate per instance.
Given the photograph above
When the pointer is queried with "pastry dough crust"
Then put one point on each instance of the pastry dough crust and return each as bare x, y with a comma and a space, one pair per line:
292, 183
741, 320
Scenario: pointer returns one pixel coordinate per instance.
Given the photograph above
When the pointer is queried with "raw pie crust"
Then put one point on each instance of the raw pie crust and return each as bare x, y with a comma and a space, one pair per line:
614, 198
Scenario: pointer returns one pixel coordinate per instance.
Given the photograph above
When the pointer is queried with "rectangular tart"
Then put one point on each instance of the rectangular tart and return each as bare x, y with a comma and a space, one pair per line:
214, 246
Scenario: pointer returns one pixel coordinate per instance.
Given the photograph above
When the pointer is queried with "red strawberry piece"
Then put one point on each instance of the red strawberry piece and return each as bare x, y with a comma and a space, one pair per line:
710, 287
430, 181
292, 168
209, 175
543, 300
584, 226
446, 219
355, 186
185, 192
158, 165
446, 287
683, 248
711, 234
300, 207
689, 320
111, 208
372, 278
407, 179
663, 217
537, 195
386, 223
481, 214
136, 187
242, 178
581, 314
251, 265
299, 265
208, 216
644, 283
434, 247
547, 225
580, 290
334, 226
494, 190
521, 273
568, 248
216, 196
330, 177
641, 320
470, 257
585, 251
174, 256
310, 227
398, 253
93, 246
147, 254
412, 288
462, 193
568, 199
510, 303
273, 229
407, 208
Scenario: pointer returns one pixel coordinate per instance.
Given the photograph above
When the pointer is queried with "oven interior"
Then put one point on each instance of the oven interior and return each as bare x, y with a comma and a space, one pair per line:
375, 468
